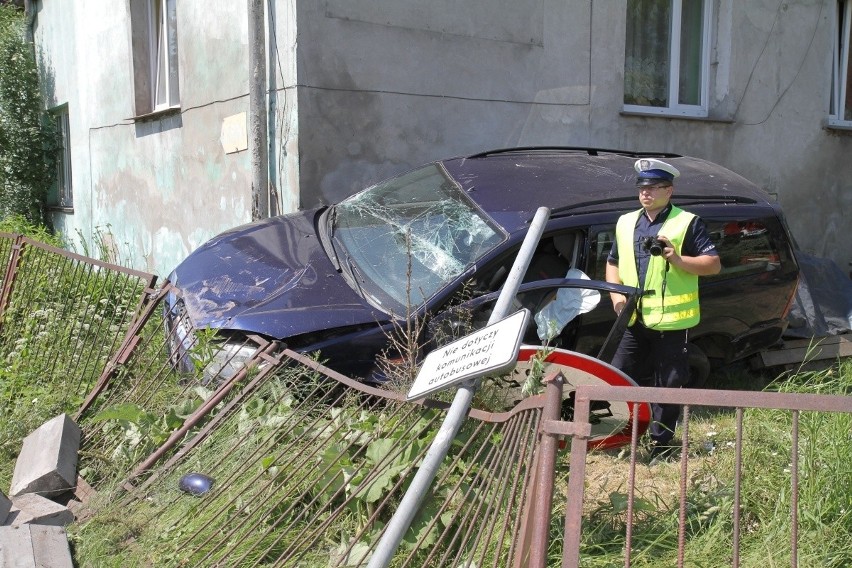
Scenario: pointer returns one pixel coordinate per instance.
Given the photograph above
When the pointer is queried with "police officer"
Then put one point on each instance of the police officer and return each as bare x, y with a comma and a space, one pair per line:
661, 249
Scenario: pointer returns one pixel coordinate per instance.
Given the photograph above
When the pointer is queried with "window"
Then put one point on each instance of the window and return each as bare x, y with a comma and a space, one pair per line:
155, 55
841, 90
60, 195
666, 57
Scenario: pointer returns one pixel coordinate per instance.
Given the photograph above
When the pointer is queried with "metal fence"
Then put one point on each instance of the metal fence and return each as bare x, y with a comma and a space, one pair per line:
62, 317
305, 465
575, 502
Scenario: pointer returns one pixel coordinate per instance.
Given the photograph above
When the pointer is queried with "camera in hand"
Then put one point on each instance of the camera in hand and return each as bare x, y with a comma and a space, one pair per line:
653, 245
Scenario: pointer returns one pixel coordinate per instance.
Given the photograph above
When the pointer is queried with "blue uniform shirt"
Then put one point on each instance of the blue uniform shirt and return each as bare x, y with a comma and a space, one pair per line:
696, 242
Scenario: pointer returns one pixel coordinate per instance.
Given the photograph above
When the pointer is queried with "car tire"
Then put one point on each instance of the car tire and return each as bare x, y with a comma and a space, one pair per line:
699, 367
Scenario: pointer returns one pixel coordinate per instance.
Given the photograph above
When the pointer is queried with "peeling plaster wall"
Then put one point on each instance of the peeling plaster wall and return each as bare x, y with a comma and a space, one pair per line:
397, 84
154, 190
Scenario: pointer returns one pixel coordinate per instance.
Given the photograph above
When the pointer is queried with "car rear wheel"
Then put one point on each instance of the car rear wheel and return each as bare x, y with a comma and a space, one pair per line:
699, 367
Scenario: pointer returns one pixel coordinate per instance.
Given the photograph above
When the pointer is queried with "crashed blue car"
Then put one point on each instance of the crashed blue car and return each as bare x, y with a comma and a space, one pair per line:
434, 245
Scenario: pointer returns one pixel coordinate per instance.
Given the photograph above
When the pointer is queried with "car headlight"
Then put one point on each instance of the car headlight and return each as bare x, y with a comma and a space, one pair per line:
228, 360
202, 352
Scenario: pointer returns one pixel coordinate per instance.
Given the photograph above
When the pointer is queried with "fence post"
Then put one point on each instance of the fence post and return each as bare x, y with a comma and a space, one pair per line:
574, 507
537, 524
10, 275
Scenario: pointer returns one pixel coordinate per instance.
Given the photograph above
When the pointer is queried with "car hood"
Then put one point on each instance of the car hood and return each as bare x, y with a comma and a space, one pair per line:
271, 277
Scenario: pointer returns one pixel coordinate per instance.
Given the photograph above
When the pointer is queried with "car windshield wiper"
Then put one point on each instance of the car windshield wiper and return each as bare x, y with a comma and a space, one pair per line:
327, 237
354, 274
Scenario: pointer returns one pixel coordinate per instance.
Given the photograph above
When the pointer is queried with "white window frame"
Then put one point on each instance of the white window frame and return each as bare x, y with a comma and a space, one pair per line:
840, 65
162, 44
677, 109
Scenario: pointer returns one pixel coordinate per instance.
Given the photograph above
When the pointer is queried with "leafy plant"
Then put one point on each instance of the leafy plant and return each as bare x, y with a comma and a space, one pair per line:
27, 135
141, 431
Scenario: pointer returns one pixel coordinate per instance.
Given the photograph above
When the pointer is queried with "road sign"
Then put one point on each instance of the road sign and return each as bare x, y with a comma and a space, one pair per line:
492, 349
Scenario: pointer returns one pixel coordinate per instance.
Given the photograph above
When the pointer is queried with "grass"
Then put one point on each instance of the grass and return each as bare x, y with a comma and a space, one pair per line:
825, 489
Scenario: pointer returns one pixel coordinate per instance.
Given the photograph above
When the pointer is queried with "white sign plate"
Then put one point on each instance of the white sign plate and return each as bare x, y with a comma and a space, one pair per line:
493, 349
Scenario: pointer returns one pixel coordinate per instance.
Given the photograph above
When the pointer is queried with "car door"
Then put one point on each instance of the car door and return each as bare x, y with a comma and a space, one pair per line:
554, 258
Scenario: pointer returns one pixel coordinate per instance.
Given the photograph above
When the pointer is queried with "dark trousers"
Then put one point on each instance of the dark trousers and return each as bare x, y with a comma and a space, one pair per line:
656, 359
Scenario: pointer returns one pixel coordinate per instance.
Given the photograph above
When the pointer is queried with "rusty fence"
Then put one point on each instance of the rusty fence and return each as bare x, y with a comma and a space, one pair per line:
62, 318
794, 458
305, 466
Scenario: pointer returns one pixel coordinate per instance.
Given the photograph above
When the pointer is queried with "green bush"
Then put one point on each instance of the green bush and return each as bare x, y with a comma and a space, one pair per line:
27, 135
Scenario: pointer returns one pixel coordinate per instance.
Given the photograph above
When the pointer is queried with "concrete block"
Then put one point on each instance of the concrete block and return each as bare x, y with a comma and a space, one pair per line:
34, 546
33, 509
47, 463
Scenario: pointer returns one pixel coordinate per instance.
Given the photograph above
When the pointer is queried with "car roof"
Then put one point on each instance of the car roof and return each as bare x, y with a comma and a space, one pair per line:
571, 180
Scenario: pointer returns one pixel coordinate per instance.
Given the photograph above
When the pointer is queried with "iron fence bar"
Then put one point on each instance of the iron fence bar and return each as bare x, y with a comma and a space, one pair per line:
150, 278
738, 472
66, 315
631, 482
224, 413
684, 450
459, 515
574, 507
725, 398
511, 470
462, 515
196, 416
544, 478
794, 497
11, 275
523, 521
125, 350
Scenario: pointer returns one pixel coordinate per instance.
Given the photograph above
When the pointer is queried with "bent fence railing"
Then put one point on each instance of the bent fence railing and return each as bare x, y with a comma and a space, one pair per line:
307, 466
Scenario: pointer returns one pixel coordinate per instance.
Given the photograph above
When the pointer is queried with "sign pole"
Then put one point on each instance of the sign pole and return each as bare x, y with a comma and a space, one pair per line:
401, 520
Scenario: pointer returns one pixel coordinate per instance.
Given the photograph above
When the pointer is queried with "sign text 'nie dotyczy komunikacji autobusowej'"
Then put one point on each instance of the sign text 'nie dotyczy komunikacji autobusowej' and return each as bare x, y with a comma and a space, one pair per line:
492, 349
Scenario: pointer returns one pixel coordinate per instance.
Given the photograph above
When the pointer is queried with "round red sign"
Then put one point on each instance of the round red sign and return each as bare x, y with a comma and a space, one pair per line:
611, 421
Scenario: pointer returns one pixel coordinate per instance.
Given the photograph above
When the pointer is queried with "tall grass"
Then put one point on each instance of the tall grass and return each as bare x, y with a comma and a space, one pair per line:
766, 524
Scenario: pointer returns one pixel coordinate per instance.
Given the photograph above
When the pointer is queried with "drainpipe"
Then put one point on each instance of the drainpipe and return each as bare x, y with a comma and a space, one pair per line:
29, 13
257, 112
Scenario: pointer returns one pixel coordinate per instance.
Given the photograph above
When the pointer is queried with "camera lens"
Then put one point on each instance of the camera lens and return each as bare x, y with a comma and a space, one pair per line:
653, 246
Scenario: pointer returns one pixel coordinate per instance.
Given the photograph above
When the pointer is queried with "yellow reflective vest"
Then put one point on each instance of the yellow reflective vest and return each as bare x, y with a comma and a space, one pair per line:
674, 304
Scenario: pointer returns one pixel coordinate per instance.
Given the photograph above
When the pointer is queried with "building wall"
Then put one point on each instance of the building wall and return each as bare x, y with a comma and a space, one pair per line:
150, 191
366, 89
398, 87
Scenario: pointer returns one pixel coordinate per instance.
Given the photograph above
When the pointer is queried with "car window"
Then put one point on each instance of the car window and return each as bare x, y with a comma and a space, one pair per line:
601, 244
744, 247
409, 237
554, 256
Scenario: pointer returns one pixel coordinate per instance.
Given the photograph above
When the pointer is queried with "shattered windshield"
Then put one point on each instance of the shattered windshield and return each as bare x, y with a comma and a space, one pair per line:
405, 239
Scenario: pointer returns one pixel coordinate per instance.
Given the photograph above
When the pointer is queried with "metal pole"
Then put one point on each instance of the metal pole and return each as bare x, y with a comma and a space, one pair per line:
257, 111
401, 520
